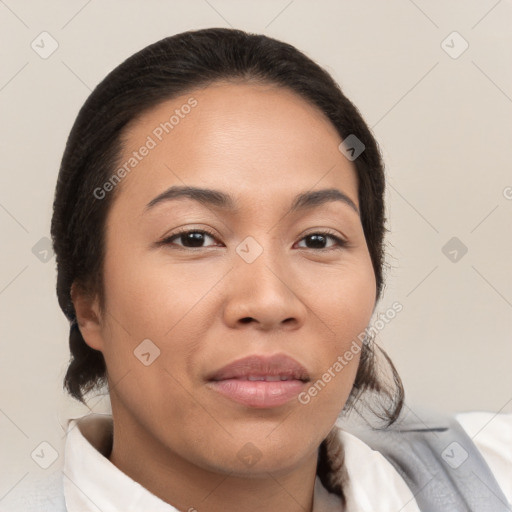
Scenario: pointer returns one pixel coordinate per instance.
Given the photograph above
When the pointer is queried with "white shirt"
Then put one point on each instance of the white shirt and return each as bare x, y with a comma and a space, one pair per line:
91, 483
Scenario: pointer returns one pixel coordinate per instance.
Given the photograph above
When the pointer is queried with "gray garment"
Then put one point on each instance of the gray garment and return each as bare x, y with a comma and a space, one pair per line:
439, 462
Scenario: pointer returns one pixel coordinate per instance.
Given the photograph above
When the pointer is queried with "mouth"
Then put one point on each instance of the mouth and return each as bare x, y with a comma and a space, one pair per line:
259, 381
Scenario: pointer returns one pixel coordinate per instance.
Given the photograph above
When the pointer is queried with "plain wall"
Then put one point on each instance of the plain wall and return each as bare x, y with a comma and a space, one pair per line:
444, 125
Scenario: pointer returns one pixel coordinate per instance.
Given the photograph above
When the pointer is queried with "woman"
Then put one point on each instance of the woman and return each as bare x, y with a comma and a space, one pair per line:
218, 225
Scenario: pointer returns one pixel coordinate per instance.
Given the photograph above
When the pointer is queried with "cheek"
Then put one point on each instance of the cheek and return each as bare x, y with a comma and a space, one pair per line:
343, 297
150, 297
157, 315
344, 304
145, 336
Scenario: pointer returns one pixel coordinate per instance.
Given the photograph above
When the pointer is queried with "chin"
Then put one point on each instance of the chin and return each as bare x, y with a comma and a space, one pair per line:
259, 458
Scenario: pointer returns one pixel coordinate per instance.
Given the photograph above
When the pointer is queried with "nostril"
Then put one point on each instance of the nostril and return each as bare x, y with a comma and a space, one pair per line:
246, 320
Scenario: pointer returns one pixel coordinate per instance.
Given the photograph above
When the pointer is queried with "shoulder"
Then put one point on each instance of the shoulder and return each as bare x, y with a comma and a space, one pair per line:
492, 435
417, 448
37, 494
373, 483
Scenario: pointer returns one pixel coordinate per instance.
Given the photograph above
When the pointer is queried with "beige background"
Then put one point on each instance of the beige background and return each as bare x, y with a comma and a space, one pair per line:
444, 125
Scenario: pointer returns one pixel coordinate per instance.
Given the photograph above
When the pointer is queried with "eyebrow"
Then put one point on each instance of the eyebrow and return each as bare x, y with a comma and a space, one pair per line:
221, 200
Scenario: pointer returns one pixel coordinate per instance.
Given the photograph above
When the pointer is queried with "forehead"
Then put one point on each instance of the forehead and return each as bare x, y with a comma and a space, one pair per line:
240, 137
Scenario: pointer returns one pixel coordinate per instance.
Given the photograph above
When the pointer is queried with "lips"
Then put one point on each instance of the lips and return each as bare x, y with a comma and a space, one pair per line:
260, 381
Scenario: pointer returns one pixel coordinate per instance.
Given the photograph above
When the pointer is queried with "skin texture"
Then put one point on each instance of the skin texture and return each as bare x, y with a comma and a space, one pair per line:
173, 434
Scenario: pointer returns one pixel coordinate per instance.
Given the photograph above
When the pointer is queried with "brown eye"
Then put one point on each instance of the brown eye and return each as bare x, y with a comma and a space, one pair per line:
319, 240
190, 239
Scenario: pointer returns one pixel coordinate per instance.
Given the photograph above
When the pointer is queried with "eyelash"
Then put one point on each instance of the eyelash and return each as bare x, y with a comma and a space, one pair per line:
168, 240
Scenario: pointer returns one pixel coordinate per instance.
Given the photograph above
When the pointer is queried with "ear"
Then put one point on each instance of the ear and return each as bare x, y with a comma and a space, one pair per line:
88, 316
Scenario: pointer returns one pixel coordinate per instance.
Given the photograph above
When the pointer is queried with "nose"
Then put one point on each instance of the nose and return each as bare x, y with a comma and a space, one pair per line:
264, 294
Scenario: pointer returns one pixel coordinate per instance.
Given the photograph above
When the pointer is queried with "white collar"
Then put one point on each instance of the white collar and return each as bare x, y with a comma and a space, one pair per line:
92, 483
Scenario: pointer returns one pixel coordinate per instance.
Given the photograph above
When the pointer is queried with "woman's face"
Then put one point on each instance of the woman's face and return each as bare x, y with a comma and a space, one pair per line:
179, 308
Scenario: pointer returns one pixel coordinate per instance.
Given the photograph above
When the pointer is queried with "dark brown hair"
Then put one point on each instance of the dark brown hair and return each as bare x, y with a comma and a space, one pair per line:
166, 69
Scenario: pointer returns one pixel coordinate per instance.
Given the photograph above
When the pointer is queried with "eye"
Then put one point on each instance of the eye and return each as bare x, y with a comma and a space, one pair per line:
319, 239
189, 238
195, 238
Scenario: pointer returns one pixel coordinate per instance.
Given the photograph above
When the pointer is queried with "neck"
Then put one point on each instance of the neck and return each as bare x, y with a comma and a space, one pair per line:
188, 487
